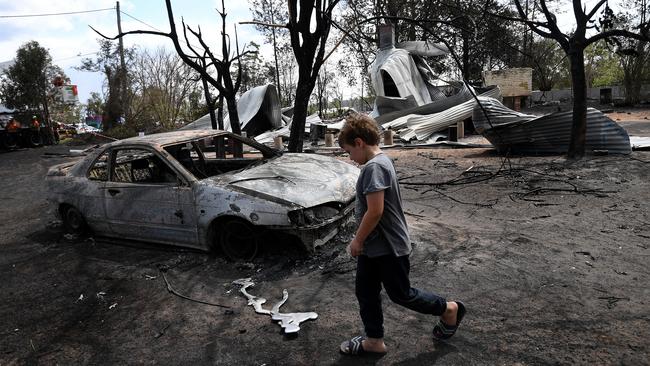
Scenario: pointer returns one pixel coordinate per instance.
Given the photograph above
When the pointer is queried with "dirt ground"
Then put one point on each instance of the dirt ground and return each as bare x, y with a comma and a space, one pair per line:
550, 256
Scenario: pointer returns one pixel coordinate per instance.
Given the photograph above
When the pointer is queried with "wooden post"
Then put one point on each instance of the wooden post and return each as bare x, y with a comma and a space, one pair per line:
277, 143
388, 137
460, 129
122, 78
329, 139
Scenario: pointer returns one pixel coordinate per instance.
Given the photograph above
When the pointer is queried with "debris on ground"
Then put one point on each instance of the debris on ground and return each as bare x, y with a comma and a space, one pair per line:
290, 322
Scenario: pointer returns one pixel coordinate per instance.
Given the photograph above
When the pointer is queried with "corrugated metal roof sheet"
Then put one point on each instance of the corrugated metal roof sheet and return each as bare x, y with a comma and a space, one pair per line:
423, 126
522, 133
259, 106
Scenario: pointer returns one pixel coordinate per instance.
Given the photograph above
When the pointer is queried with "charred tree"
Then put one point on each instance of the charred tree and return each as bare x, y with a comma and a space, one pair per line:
309, 49
206, 60
573, 45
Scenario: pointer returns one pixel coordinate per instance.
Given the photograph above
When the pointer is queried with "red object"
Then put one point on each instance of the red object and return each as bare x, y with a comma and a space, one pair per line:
58, 81
74, 90
13, 126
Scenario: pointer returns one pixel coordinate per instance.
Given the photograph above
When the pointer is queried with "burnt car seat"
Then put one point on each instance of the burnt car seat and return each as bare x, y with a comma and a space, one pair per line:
140, 171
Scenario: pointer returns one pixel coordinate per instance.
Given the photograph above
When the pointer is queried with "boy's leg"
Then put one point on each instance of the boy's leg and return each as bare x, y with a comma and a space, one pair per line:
395, 277
368, 289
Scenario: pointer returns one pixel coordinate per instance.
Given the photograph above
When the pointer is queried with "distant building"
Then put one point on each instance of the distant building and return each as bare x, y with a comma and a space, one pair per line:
516, 85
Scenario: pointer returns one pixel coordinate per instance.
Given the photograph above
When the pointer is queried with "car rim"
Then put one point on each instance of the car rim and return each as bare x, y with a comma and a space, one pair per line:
35, 138
239, 241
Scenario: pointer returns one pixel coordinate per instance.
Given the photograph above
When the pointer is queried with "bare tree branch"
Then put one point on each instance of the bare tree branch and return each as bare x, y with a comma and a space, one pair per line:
616, 33
168, 35
254, 22
595, 9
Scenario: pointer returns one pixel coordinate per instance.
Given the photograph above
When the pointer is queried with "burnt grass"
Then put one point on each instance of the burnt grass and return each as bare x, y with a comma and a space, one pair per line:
551, 257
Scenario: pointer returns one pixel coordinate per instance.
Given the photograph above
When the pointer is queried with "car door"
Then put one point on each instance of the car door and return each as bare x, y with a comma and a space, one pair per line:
147, 200
90, 194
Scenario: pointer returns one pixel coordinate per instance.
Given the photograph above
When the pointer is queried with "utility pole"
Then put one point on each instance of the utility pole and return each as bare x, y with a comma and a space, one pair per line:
275, 55
122, 77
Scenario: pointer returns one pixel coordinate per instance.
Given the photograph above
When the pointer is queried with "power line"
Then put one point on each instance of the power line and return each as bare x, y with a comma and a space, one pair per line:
150, 26
78, 55
50, 14
136, 19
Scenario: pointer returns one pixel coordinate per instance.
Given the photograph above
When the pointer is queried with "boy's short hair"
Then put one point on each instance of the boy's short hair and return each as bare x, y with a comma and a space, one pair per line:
360, 126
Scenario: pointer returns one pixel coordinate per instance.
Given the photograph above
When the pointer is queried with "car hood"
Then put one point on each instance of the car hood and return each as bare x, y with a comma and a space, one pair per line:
306, 180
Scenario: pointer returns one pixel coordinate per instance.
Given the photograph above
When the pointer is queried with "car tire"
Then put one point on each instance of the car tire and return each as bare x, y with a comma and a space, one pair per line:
10, 140
73, 220
35, 139
238, 240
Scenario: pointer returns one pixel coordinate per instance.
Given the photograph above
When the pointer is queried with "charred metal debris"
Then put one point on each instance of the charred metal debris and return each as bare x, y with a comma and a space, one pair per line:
290, 322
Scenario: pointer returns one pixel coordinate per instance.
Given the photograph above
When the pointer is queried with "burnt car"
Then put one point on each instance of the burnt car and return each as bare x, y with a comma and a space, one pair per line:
177, 188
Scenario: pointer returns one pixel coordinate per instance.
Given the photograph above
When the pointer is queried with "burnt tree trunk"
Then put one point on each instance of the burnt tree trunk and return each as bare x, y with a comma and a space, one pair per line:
579, 82
210, 105
574, 45
231, 102
309, 49
300, 108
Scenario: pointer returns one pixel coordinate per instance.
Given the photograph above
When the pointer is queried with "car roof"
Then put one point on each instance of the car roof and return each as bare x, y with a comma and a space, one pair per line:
168, 138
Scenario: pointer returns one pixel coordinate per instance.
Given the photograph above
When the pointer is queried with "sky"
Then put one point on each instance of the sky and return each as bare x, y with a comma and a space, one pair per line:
69, 36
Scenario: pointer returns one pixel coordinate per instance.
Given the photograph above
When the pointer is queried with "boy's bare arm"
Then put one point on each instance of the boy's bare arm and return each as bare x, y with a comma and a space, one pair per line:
375, 201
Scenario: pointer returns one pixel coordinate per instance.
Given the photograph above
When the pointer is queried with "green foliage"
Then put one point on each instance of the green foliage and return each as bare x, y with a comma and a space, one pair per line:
195, 107
602, 66
25, 83
255, 70
107, 61
121, 132
160, 85
284, 64
549, 63
634, 55
66, 113
95, 105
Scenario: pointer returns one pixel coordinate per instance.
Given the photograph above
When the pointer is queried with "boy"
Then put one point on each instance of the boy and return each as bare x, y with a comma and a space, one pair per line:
382, 245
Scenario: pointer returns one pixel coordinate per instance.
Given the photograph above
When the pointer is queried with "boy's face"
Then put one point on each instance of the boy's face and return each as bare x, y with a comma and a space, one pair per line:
357, 151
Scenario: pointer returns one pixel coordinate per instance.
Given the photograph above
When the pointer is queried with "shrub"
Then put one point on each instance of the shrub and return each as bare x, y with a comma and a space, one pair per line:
121, 132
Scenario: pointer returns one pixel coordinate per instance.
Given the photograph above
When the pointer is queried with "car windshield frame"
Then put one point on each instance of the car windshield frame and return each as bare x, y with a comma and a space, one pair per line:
266, 151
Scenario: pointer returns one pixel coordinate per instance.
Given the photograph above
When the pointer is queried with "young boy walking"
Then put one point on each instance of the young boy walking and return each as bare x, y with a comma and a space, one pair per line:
382, 245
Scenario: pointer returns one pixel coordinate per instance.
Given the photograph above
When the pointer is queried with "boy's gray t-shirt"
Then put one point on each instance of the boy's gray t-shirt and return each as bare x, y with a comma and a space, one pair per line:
391, 235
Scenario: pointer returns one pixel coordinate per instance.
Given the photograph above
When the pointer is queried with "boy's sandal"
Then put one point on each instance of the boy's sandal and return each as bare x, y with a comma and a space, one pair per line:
445, 331
354, 347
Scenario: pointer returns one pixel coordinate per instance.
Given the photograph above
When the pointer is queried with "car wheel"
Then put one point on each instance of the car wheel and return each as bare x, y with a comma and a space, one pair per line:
10, 140
35, 139
73, 220
238, 240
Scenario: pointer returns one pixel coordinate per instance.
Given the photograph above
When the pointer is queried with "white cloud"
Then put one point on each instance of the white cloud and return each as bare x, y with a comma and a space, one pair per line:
66, 36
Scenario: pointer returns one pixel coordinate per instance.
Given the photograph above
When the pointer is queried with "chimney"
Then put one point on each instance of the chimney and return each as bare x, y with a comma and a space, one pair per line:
386, 35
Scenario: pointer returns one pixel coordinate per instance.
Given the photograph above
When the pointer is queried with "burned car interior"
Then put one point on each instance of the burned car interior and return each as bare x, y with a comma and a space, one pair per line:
133, 166
214, 156
202, 158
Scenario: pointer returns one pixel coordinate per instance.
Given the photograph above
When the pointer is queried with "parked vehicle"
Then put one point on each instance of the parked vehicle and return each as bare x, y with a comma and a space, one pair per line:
21, 129
82, 127
174, 188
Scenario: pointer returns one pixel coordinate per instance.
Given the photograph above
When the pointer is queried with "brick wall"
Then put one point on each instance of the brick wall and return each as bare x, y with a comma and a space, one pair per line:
513, 82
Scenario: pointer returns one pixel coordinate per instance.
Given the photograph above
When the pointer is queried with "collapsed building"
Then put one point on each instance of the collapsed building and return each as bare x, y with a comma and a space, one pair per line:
421, 109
